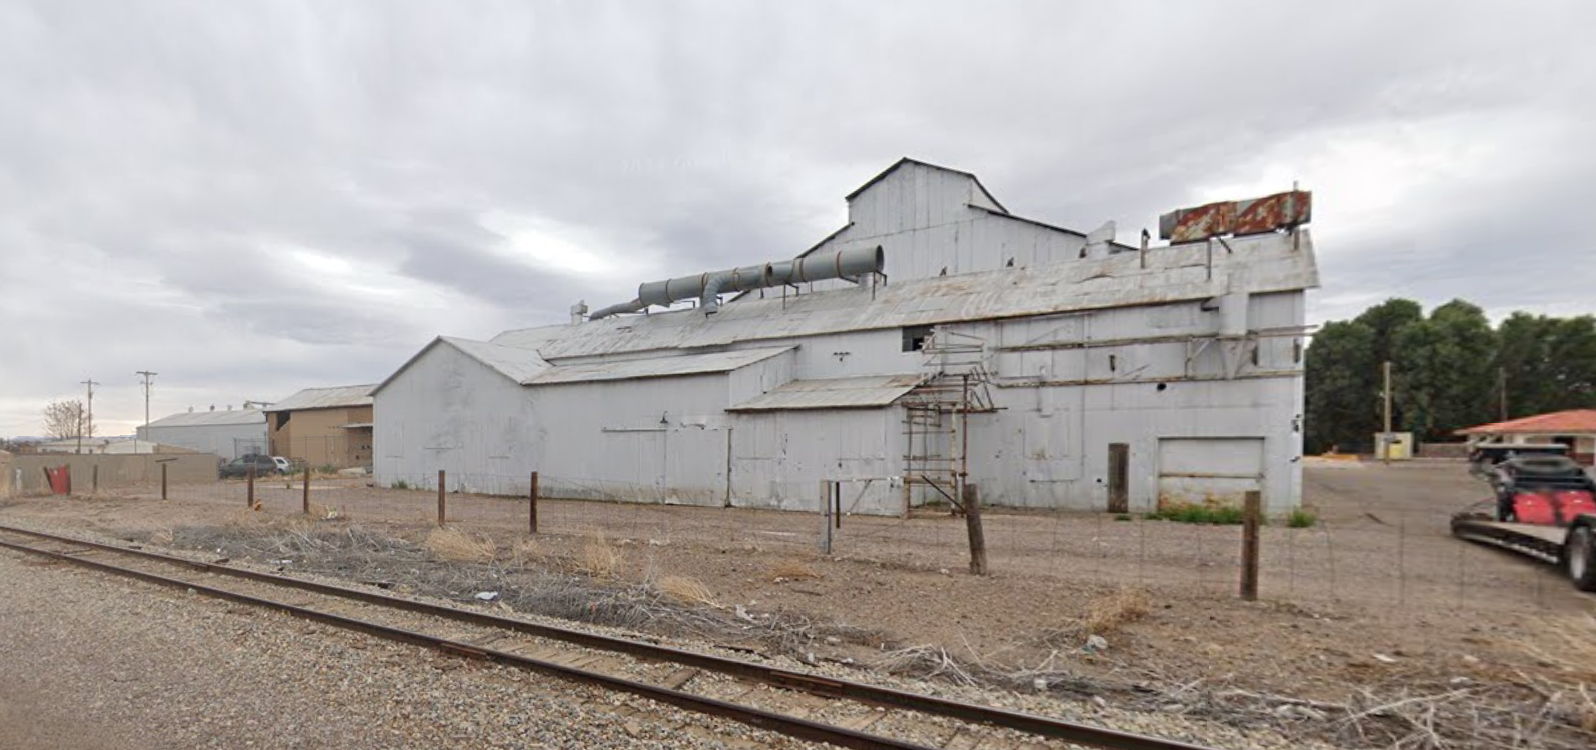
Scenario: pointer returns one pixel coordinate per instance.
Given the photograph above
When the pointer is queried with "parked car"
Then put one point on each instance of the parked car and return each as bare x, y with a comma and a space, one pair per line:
284, 466
240, 466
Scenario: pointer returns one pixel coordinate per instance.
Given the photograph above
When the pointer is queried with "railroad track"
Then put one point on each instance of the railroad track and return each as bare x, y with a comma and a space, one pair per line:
771, 698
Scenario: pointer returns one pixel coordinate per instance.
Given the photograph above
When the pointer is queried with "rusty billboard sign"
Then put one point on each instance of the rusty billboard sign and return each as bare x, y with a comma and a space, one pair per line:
1253, 216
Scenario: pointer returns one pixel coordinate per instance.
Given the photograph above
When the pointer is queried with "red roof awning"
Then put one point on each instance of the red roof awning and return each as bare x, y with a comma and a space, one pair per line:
1571, 422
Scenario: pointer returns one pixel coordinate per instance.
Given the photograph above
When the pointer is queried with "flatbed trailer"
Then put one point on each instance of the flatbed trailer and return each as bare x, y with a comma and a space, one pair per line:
1571, 547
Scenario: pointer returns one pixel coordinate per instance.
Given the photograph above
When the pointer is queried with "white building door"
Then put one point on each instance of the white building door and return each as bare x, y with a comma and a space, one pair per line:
695, 461
1208, 471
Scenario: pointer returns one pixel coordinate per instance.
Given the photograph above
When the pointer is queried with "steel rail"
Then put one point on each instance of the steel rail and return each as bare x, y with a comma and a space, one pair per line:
1077, 733
791, 726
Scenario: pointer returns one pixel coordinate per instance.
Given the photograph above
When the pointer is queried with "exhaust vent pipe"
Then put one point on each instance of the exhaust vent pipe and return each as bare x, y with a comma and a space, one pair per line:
706, 287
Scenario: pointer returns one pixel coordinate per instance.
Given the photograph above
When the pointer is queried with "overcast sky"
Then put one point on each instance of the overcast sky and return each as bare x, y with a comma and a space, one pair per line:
250, 198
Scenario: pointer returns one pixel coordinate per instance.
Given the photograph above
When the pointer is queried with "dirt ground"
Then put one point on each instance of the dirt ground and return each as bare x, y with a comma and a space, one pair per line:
1375, 597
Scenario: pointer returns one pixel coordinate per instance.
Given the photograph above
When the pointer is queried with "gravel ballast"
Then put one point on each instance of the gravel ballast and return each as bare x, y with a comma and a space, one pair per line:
92, 661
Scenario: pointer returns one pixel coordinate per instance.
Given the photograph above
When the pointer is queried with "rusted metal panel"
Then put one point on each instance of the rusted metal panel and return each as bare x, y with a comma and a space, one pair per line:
1188, 224
1243, 217
1273, 212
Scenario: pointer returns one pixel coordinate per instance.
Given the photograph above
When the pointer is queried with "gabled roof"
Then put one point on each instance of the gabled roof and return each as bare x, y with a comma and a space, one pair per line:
211, 418
523, 366
514, 362
326, 398
905, 161
1570, 422
867, 392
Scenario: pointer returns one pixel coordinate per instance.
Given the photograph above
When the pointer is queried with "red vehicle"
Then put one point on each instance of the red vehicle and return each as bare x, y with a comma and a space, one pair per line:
1545, 507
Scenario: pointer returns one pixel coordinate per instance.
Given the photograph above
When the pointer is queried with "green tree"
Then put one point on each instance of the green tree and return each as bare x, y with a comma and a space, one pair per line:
1546, 364
1340, 388
1386, 321
1444, 370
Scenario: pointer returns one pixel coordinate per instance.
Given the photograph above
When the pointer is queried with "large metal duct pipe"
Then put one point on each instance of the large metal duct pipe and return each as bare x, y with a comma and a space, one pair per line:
706, 287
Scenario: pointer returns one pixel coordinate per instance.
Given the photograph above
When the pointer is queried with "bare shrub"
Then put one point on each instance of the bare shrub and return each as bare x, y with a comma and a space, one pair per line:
456, 545
598, 558
684, 589
792, 570
1105, 614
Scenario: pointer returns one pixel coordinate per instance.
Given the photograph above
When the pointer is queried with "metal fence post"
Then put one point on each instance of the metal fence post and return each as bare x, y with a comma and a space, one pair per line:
1249, 545
94, 481
532, 505
440, 497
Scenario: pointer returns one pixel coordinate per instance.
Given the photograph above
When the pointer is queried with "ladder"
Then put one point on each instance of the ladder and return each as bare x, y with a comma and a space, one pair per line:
936, 418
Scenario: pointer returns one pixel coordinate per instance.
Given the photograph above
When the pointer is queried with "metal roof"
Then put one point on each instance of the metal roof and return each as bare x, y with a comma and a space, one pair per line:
657, 367
326, 398
1257, 264
833, 393
525, 367
516, 363
210, 418
1570, 422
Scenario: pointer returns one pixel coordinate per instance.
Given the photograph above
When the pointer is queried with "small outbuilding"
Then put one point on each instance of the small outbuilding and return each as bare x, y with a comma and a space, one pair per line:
1575, 428
323, 426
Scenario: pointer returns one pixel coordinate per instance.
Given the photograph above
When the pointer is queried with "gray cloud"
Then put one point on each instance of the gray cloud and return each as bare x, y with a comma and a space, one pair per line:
259, 197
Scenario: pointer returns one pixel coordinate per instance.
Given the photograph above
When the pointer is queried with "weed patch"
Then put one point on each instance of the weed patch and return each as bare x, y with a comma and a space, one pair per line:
1188, 513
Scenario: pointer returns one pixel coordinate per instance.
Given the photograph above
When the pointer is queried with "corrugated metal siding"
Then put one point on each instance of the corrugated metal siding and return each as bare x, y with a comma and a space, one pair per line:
833, 393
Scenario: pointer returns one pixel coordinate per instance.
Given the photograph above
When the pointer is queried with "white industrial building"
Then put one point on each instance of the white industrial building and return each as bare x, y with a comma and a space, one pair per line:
960, 345
228, 433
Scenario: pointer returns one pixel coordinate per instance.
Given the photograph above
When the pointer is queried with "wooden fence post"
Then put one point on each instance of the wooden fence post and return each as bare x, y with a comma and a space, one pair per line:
94, 481
249, 499
1249, 545
532, 505
972, 522
825, 517
163, 480
305, 498
440, 498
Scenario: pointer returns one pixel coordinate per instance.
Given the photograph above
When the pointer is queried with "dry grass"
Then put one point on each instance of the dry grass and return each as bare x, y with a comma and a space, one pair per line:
456, 545
328, 513
792, 570
684, 589
526, 552
162, 537
1105, 614
598, 558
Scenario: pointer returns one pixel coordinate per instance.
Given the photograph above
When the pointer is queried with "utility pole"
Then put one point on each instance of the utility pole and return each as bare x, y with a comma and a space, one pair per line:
1385, 437
91, 382
147, 375
1501, 387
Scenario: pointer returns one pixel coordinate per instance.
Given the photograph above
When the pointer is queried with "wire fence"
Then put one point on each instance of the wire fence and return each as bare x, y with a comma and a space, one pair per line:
1401, 560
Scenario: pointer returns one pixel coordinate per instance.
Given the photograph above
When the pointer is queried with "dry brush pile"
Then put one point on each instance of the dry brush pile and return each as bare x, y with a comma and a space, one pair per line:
592, 585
